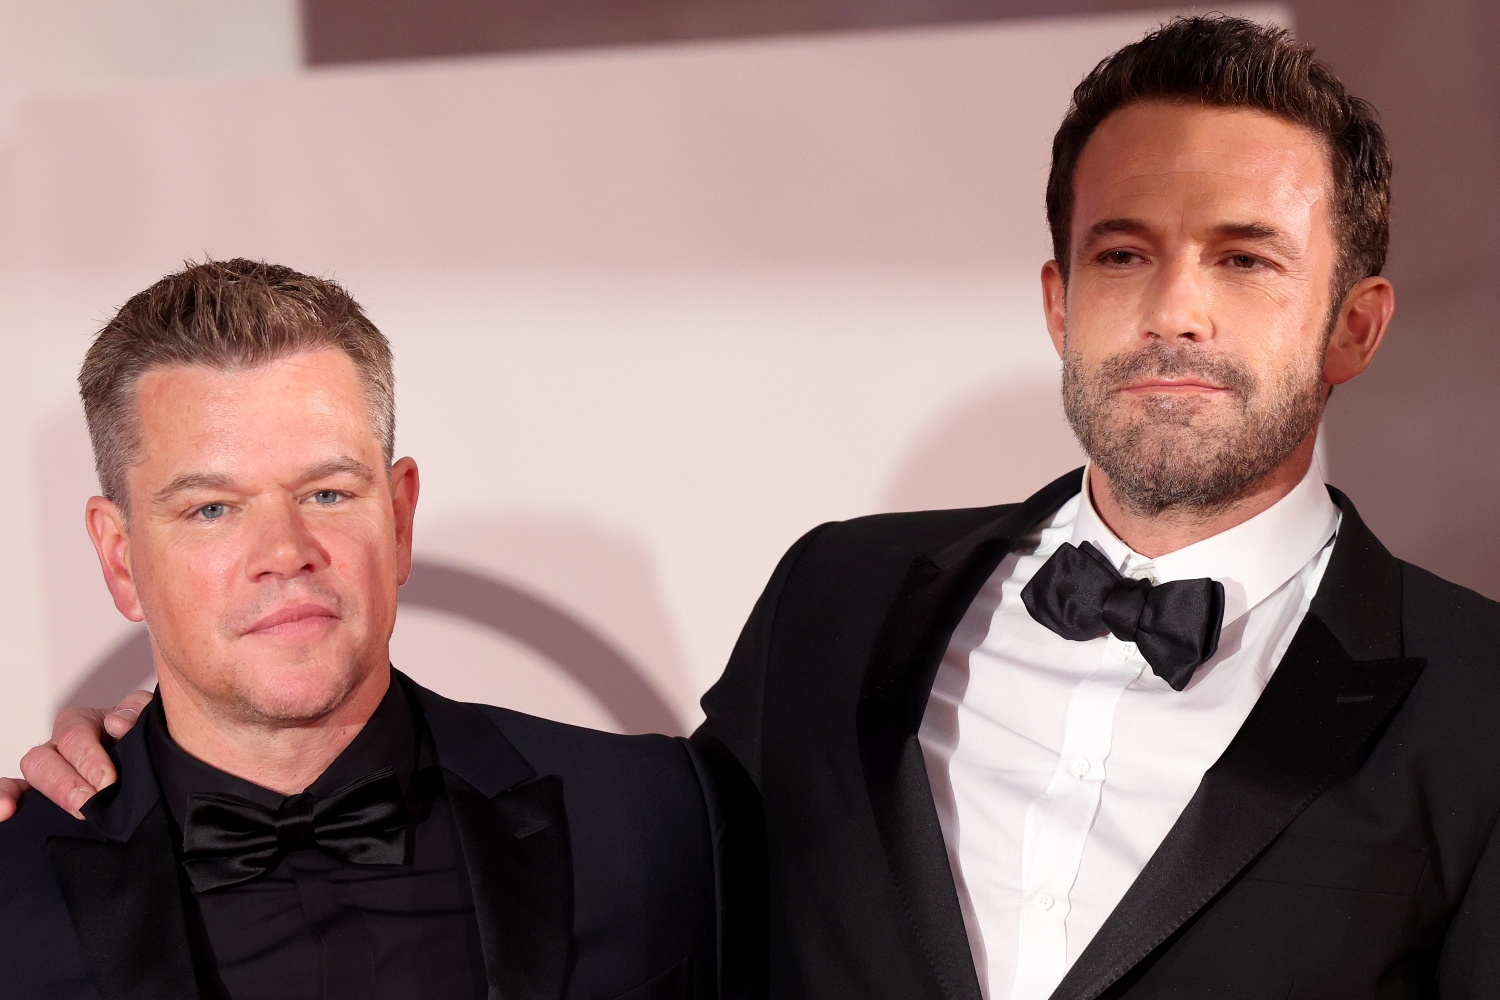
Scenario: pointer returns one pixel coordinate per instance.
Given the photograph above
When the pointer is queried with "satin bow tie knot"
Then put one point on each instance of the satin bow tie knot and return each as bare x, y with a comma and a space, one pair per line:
228, 840
1080, 595
294, 824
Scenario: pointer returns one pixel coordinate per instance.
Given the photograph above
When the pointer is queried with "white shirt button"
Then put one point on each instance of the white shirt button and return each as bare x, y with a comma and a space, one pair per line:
1045, 900
1127, 649
1143, 574
1079, 766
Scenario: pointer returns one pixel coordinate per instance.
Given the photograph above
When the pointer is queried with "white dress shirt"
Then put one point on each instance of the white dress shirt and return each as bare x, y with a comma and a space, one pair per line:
1058, 767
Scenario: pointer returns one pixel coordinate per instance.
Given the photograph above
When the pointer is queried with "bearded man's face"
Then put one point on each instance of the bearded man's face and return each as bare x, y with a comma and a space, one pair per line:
1198, 301
1177, 450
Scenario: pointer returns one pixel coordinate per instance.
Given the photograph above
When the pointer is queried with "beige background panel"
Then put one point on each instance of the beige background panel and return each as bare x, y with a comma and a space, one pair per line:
656, 313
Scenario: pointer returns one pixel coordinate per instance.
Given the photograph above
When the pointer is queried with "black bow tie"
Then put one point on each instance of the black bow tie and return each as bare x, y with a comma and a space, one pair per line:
1079, 595
228, 840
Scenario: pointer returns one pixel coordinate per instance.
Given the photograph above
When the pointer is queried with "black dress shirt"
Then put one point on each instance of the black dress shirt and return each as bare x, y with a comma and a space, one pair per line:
322, 929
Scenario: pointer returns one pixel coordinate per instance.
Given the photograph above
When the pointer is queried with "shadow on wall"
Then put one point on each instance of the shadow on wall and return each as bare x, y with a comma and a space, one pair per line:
576, 649
607, 576
998, 444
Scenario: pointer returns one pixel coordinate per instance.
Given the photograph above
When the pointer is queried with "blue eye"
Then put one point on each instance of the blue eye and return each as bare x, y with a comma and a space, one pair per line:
212, 512
326, 496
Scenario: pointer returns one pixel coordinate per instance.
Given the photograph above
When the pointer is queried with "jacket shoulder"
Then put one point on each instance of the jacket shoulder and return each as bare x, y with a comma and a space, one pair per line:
650, 765
1446, 622
636, 808
900, 536
1452, 706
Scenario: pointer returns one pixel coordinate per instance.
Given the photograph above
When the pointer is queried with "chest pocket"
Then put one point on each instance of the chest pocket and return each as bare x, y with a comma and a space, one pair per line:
1337, 864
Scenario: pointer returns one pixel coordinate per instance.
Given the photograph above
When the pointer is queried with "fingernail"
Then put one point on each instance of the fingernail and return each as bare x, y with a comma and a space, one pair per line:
128, 714
76, 800
100, 780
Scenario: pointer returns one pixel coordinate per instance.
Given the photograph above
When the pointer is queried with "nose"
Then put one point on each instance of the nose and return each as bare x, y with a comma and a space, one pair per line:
283, 545
1177, 305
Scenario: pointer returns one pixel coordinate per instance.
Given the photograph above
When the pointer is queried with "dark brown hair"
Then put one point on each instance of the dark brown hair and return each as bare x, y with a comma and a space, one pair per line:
227, 315
1230, 62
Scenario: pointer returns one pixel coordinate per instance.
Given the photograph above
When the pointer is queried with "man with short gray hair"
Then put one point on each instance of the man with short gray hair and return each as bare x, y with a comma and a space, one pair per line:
292, 817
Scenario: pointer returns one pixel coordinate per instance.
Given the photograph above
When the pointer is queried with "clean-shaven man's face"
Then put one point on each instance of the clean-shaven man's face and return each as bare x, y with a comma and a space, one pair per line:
265, 542
1196, 311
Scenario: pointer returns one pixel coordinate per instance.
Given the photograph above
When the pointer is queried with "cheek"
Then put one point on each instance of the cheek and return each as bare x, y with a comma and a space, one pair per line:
185, 582
1102, 315
363, 556
1274, 340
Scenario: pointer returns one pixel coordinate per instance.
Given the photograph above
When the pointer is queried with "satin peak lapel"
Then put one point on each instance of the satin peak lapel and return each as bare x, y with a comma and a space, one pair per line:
123, 889
521, 873
931, 602
514, 831
1319, 710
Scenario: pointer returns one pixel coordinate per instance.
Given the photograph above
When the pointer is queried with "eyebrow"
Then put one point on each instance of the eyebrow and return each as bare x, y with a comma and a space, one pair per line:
191, 481
1258, 232
339, 467
218, 481
1110, 227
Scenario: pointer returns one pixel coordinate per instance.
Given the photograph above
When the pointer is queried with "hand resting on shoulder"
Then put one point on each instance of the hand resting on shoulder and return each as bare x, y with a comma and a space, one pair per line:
73, 765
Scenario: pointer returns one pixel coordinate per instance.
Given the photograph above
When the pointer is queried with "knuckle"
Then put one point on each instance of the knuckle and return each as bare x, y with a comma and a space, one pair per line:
71, 719
33, 758
77, 743
38, 762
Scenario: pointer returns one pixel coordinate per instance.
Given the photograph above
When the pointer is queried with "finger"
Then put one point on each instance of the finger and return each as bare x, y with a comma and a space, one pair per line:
11, 790
78, 734
123, 716
55, 778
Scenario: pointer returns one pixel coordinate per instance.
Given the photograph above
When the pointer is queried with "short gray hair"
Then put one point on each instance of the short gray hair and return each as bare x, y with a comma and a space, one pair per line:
228, 315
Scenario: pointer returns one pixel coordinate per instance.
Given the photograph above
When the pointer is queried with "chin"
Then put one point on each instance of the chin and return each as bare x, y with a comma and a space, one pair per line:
297, 693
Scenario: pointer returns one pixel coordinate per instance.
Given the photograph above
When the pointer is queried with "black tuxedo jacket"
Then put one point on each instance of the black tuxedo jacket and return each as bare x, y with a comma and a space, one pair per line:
590, 859
1343, 846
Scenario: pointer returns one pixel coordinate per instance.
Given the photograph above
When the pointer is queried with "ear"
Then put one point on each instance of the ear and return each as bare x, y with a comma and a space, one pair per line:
405, 485
1363, 319
106, 527
1055, 302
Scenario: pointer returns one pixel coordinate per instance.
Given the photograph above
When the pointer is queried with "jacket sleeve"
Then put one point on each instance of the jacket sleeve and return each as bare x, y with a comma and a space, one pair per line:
1469, 964
728, 746
735, 706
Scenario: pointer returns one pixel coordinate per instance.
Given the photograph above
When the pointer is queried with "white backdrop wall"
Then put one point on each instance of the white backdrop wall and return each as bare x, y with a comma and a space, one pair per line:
656, 312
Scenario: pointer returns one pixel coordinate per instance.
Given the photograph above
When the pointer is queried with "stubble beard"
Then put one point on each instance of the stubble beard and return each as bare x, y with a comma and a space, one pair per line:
298, 687
1167, 453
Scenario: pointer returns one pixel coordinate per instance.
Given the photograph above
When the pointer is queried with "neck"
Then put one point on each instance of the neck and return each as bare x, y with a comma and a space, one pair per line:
1155, 535
284, 757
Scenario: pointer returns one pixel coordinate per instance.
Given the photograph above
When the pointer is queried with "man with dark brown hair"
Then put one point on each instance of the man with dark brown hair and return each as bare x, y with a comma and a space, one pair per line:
1178, 725
293, 818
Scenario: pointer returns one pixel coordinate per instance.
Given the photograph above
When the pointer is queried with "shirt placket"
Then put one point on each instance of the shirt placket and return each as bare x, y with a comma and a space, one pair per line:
1058, 823
344, 940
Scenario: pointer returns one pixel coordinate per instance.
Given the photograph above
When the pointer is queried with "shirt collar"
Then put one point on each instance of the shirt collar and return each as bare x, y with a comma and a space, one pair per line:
1252, 560
388, 739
